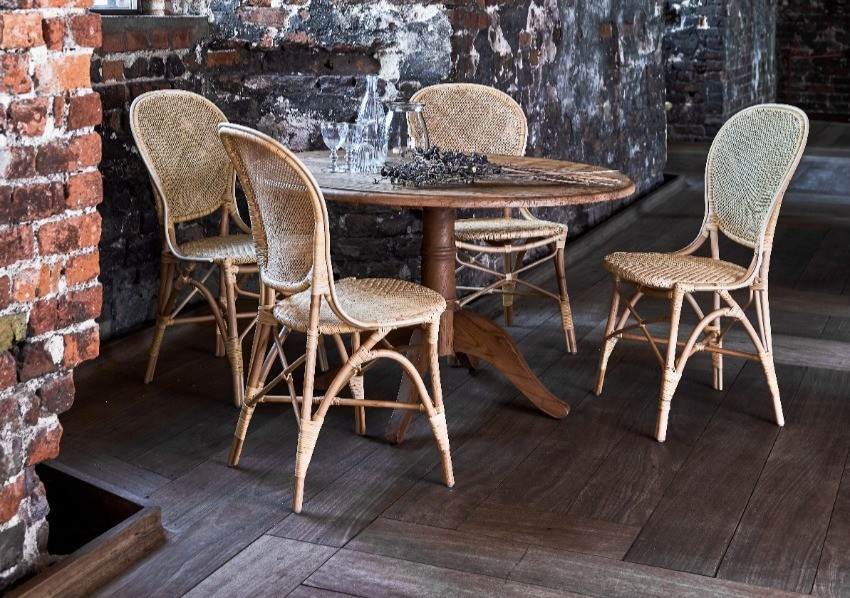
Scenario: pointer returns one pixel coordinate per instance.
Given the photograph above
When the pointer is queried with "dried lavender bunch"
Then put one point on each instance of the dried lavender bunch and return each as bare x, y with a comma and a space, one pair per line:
434, 166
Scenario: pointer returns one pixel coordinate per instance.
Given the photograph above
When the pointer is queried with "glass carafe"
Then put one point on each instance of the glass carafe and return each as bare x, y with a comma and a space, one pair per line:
405, 128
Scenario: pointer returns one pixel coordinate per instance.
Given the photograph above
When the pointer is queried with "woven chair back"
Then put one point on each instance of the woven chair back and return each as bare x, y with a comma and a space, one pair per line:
288, 213
749, 166
472, 118
175, 132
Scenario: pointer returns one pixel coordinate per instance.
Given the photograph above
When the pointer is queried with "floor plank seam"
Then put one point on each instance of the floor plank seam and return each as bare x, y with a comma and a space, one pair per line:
755, 485
831, 515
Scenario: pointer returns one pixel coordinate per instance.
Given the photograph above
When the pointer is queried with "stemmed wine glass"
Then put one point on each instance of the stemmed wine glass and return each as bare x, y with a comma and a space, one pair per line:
334, 136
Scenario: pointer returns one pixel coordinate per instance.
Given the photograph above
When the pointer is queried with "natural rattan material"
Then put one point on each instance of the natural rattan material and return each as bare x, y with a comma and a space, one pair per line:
664, 270
290, 226
192, 177
383, 301
237, 248
749, 167
506, 229
476, 118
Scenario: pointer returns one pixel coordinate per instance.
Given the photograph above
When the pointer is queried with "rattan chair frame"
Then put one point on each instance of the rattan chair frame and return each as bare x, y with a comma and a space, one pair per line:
168, 127
709, 332
498, 126
287, 272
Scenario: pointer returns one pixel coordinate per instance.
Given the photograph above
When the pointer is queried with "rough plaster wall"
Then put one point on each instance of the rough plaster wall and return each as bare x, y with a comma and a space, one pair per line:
588, 74
720, 58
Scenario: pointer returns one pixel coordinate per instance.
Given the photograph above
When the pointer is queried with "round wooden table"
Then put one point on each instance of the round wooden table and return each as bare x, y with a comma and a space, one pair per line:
464, 331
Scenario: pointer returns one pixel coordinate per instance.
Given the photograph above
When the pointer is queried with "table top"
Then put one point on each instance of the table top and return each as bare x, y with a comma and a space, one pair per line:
504, 193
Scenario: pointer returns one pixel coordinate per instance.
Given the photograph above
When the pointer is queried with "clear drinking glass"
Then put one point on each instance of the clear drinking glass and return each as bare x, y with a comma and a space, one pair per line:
334, 136
355, 132
406, 129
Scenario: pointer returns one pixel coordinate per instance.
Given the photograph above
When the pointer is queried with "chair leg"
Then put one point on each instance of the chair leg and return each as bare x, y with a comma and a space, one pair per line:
169, 291
308, 432
767, 357
609, 343
220, 350
717, 358
566, 310
359, 393
670, 377
256, 381
508, 288
233, 346
323, 355
438, 419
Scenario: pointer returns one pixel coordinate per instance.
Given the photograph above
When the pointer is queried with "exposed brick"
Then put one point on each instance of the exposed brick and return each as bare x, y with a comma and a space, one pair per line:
18, 162
81, 346
137, 40
71, 308
37, 281
68, 155
45, 445
58, 111
82, 268
112, 70
5, 293
84, 190
67, 235
158, 39
28, 117
16, 243
64, 72
217, 58
84, 111
53, 31
264, 17
86, 30
56, 396
33, 201
181, 38
35, 361
8, 371
14, 73
11, 496
114, 41
20, 30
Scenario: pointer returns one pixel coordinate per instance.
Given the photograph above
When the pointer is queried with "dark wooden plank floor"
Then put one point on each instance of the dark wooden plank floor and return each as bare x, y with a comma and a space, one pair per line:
730, 505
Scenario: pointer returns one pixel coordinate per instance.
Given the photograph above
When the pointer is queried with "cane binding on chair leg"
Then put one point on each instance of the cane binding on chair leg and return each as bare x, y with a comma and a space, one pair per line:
749, 167
290, 227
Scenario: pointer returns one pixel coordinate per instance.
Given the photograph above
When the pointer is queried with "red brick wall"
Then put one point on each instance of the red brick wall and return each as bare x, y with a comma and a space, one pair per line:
49, 230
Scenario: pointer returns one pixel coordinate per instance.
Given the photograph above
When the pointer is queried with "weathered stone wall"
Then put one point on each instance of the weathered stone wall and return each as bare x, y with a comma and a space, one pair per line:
49, 230
813, 54
138, 54
720, 58
588, 74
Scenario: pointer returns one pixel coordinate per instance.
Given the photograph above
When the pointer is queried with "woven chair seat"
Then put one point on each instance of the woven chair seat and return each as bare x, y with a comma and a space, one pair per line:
506, 229
238, 248
380, 302
664, 270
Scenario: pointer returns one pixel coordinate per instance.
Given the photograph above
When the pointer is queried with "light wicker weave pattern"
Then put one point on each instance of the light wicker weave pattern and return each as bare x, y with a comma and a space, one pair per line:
192, 177
290, 221
476, 118
506, 229
750, 164
744, 176
664, 270
472, 118
175, 131
381, 300
238, 248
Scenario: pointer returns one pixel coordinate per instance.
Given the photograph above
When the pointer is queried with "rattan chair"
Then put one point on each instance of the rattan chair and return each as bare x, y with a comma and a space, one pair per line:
193, 178
749, 166
476, 118
290, 225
